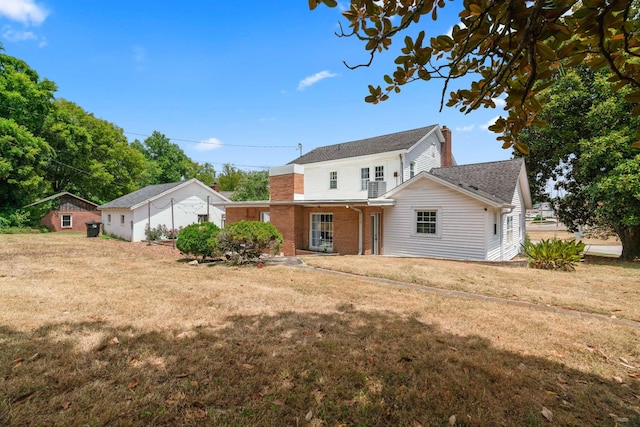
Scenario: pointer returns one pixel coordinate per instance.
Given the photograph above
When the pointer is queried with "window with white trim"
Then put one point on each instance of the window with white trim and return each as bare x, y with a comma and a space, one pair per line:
333, 180
321, 232
379, 173
412, 169
426, 222
108, 218
510, 229
364, 178
66, 221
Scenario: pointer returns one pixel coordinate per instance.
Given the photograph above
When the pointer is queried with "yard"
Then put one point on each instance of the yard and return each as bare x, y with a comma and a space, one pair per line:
98, 332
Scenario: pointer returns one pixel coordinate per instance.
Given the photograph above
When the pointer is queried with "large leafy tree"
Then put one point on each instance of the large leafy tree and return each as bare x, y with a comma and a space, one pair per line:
25, 101
168, 163
585, 150
92, 156
253, 185
506, 47
230, 177
204, 172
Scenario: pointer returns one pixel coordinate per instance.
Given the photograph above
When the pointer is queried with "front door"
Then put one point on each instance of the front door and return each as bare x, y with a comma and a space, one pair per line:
375, 233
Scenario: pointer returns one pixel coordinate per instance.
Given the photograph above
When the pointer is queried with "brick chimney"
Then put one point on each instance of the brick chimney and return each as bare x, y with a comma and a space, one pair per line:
216, 187
286, 183
446, 158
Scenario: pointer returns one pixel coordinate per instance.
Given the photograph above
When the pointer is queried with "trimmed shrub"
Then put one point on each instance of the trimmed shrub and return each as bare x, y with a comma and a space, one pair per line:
245, 241
194, 239
553, 254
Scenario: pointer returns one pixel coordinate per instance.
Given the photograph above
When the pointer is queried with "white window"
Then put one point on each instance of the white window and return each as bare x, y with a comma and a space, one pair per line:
65, 221
265, 216
412, 169
108, 218
321, 232
364, 178
203, 218
426, 222
379, 173
510, 229
121, 219
333, 180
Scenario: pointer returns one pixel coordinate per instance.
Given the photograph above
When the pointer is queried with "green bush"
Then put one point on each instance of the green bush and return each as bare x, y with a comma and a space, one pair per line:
194, 239
245, 241
553, 254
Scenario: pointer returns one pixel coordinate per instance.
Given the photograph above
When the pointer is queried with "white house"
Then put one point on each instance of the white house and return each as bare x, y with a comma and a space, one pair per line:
173, 205
399, 194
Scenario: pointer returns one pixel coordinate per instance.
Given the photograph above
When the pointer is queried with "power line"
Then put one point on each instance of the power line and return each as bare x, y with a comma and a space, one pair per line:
296, 147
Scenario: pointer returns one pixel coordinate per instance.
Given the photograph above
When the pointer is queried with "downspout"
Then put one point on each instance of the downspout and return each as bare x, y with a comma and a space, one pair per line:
359, 227
401, 169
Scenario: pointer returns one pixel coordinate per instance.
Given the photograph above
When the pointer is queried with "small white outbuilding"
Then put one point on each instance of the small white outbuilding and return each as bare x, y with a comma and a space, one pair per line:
172, 205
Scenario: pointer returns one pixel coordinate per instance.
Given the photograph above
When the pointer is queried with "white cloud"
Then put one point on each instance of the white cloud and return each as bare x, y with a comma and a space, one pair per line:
18, 36
468, 128
208, 145
499, 102
489, 123
311, 80
26, 11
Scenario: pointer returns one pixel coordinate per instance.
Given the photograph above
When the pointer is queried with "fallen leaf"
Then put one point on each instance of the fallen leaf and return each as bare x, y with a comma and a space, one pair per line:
194, 383
34, 357
182, 375
547, 414
634, 375
452, 420
309, 416
247, 366
65, 405
114, 340
134, 360
618, 379
17, 362
551, 393
133, 384
416, 424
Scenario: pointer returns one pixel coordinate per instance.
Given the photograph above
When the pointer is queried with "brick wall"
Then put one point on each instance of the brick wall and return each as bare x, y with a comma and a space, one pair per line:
283, 187
53, 220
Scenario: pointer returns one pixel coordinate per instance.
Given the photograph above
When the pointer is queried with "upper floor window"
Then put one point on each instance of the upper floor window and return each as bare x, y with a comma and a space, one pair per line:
364, 178
379, 173
333, 180
412, 169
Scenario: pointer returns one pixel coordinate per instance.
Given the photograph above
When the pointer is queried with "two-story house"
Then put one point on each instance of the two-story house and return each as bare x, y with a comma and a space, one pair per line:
397, 194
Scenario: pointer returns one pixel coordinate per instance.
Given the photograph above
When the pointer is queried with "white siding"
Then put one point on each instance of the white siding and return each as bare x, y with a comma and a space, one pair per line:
188, 202
316, 176
115, 227
494, 239
462, 224
425, 154
511, 249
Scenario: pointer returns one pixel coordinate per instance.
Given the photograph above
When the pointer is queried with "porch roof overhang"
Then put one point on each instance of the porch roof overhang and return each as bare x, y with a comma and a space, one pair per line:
314, 203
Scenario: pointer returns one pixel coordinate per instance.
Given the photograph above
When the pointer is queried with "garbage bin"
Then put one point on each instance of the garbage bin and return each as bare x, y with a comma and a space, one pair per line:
93, 228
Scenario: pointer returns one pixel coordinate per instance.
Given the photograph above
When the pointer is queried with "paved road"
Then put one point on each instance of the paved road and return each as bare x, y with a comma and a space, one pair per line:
551, 225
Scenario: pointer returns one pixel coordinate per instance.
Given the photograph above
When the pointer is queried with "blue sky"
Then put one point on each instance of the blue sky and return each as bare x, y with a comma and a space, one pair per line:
228, 83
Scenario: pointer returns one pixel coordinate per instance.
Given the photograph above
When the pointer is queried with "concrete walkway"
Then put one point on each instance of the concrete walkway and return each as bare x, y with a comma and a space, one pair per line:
475, 297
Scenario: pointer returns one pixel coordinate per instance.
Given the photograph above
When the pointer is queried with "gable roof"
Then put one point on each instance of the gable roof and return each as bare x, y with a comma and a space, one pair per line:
495, 180
379, 144
58, 195
491, 182
150, 192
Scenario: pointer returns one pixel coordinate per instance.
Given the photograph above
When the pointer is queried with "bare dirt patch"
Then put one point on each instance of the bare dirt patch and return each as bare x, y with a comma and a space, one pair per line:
97, 332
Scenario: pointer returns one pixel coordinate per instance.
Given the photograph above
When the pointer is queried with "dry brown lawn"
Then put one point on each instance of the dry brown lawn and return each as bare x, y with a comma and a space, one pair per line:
96, 332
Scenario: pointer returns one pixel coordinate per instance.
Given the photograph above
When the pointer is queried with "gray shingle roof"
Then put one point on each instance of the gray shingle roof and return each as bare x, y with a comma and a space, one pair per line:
379, 144
142, 195
493, 180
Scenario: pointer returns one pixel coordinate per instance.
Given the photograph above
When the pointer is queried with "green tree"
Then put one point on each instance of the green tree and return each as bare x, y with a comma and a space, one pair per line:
203, 172
252, 186
229, 178
171, 163
92, 156
25, 101
506, 47
586, 151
